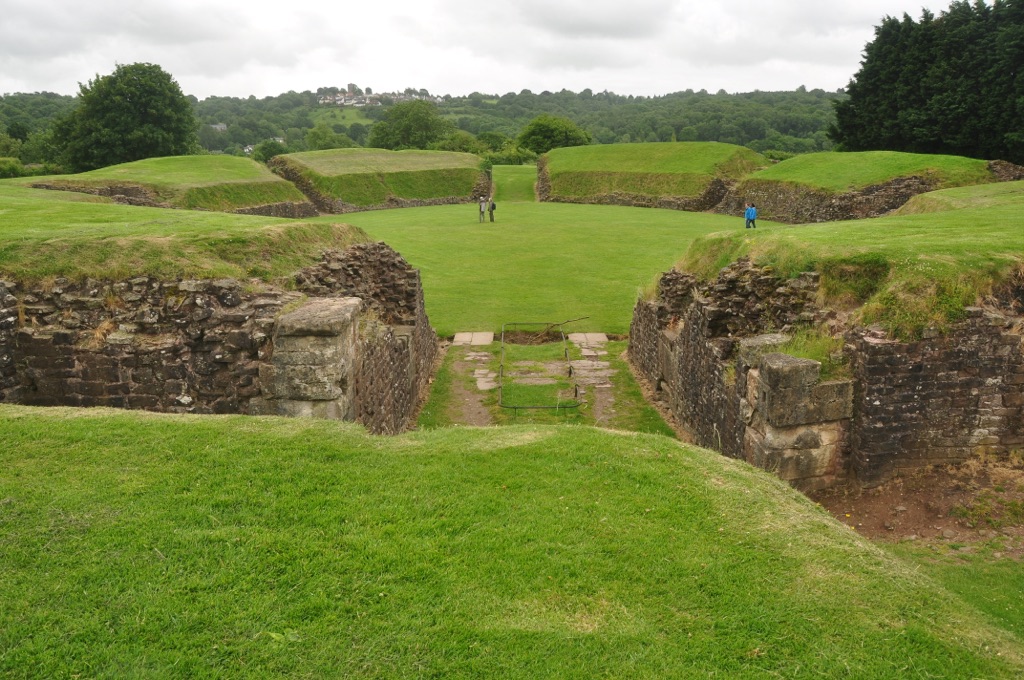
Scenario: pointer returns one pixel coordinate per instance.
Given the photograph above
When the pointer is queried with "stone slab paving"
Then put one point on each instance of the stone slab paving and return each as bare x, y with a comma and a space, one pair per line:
475, 339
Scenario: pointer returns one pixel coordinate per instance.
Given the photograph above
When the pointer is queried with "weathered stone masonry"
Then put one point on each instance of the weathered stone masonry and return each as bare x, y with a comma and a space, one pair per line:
352, 341
712, 355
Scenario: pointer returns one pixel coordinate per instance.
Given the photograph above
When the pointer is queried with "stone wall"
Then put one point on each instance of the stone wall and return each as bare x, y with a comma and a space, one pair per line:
779, 201
218, 347
938, 400
794, 204
711, 353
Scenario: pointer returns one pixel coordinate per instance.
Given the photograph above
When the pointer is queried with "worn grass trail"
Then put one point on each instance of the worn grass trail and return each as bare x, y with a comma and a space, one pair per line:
514, 183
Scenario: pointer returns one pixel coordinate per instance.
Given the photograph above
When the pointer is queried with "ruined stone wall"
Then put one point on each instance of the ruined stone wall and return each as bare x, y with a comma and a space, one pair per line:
206, 346
292, 210
795, 204
939, 400
712, 354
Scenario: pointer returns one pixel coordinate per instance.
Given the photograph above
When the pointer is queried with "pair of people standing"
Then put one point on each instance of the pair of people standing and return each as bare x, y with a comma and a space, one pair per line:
488, 207
750, 214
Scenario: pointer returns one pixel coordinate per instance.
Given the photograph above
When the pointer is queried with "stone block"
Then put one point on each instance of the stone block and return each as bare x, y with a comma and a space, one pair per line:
785, 372
331, 316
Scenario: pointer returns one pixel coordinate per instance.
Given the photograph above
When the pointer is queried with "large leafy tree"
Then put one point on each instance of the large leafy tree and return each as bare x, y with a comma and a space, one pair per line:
547, 132
947, 84
409, 125
136, 112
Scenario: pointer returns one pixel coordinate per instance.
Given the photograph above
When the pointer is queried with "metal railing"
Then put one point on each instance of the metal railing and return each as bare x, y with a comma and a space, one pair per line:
507, 374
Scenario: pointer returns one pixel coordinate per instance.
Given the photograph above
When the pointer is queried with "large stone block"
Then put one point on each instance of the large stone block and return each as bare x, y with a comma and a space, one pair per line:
784, 372
331, 317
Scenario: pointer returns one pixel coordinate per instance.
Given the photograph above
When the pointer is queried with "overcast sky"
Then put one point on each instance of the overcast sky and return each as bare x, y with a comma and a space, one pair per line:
640, 47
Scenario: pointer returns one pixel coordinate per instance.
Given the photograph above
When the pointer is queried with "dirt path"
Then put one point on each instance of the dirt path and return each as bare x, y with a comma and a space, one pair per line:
469, 401
966, 507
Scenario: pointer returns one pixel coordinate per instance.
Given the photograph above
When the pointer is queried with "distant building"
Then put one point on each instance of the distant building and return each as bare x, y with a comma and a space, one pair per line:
219, 127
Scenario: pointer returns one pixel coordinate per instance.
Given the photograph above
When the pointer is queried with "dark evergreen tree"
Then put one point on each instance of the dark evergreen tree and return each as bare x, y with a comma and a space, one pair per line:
949, 84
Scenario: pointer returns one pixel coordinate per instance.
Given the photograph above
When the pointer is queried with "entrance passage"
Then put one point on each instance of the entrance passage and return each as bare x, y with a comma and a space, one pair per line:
535, 370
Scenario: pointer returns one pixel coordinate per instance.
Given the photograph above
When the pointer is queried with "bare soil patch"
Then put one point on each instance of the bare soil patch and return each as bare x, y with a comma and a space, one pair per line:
467, 400
965, 506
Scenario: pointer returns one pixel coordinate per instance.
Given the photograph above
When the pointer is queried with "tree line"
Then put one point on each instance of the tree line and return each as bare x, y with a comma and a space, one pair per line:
950, 84
34, 127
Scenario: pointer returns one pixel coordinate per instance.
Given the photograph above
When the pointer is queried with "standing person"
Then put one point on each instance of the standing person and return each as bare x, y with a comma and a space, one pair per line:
491, 208
483, 207
751, 216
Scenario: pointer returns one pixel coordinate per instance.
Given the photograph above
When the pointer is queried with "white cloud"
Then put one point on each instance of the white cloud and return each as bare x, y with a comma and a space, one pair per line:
236, 48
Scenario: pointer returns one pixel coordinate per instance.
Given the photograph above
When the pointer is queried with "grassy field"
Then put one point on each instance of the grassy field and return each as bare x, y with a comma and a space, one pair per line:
213, 182
337, 114
911, 271
168, 546
656, 169
541, 262
840, 172
52, 233
367, 177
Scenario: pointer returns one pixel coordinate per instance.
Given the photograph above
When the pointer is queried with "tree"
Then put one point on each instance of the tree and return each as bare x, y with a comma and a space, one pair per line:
136, 112
948, 85
410, 125
547, 132
266, 150
322, 137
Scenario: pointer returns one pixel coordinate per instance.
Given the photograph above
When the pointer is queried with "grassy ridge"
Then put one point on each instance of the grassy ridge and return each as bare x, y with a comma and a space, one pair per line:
360, 161
167, 546
851, 171
681, 169
45, 234
223, 183
366, 177
911, 271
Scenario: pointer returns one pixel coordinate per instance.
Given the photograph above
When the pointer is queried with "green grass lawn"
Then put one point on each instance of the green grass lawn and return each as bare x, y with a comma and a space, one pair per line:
346, 115
680, 169
697, 158
54, 233
140, 545
213, 182
849, 171
369, 177
928, 264
539, 262
357, 161
514, 182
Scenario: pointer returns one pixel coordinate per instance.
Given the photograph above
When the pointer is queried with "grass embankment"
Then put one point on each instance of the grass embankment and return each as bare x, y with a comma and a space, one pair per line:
514, 182
851, 171
55, 234
683, 169
910, 271
168, 546
223, 183
366, 177
539, 262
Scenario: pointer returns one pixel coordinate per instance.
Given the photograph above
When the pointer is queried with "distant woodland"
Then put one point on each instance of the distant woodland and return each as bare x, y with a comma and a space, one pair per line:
786, 122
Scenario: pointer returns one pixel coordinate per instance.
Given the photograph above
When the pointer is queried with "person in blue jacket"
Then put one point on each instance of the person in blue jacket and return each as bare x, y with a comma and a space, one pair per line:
751, 216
